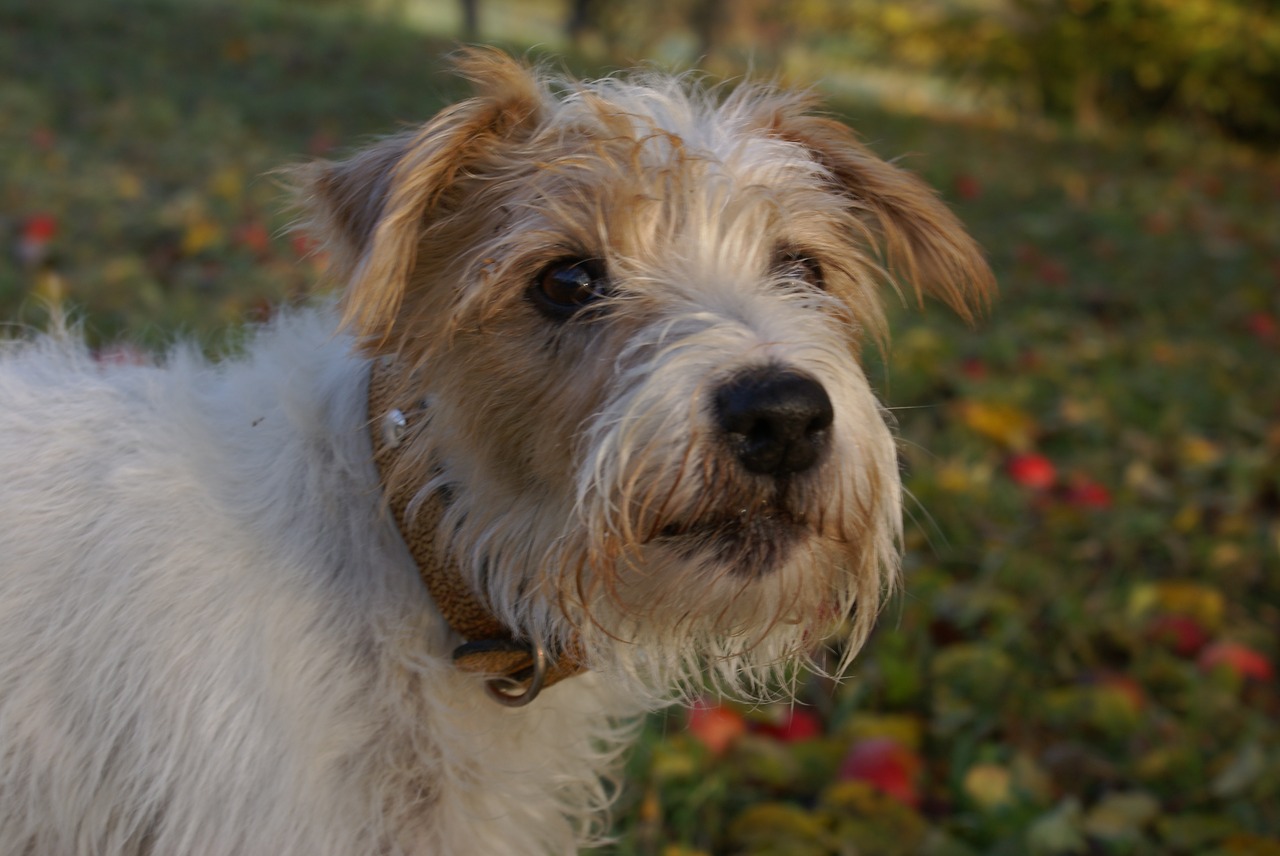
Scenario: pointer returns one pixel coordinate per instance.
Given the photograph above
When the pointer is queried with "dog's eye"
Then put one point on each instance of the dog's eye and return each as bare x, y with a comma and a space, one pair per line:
564, 287
800, 265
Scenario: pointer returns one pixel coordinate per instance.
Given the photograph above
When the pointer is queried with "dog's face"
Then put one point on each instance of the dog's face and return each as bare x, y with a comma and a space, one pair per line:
636, 311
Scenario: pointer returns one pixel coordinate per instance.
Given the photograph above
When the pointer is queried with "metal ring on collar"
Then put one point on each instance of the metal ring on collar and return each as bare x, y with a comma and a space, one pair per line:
507, 691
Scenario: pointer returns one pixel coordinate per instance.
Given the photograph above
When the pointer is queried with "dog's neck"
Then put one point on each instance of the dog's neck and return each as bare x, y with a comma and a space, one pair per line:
520, 668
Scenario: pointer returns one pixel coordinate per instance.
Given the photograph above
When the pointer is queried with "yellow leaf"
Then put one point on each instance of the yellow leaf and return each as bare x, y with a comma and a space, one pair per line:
954, 478
51, 287
1225, 555
1075, 187
1139, 476
1204, 604
228, 183
1187, 518
779, 828
1234, 523
1121, 816
920, 343
1004, 423
122, 268
681, 850
1246, 844
903, 728
235, 50
1164, 352
1077, 411
650, 806
1030, 778
1199, 452
128, 186
199, 236
988, 785
674, 759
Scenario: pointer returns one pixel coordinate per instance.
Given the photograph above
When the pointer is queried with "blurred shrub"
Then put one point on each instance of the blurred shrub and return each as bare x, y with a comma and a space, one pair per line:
1208, 60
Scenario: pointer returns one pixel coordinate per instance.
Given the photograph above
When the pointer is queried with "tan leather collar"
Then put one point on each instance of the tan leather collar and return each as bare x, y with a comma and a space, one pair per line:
520, 669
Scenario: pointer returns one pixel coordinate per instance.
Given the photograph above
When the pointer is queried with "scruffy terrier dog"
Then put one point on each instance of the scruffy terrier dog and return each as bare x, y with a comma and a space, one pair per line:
587, 429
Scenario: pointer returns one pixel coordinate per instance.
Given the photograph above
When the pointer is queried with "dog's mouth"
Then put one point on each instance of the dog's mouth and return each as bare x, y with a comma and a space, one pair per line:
752, 540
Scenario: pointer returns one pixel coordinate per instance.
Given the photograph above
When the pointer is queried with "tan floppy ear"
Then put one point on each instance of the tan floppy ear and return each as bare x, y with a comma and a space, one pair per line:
923, 243
371, 210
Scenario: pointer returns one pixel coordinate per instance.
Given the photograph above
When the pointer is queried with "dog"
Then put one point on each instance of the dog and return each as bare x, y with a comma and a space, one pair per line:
585, 433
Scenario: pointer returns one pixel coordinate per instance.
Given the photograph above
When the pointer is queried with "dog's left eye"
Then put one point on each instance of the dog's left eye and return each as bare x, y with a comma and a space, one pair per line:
564, 287
801, 265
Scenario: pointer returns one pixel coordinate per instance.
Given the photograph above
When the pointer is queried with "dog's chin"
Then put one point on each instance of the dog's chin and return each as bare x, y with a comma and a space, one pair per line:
749, 542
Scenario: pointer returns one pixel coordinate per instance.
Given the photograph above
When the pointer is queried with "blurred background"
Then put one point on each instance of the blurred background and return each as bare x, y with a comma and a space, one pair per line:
1082, 657
1212, 62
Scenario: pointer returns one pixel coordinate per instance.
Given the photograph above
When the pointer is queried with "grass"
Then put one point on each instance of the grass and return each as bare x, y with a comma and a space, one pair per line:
1094, 536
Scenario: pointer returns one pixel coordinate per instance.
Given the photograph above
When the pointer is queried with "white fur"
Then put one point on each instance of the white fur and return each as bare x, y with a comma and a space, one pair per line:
211, 642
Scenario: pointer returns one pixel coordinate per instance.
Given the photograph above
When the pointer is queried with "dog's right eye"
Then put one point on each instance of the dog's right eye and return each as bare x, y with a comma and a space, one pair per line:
564, 287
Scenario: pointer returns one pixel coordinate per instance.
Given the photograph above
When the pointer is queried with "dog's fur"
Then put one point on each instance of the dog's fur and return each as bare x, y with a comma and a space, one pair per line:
212, 638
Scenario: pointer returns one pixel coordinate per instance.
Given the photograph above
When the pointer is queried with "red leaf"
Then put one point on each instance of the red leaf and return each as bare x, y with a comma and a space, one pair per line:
973, 367
1240, 659
1086, 493
887, 765
1181, 634
254, 237
43, 138
40, 228
1127, 688
303, 245
715, 726
321, 142
1263, 326
1032, 470
796, 724
967, 187
1052, 272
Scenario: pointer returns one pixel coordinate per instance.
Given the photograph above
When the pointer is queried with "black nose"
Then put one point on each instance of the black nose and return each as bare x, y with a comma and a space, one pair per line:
775, 420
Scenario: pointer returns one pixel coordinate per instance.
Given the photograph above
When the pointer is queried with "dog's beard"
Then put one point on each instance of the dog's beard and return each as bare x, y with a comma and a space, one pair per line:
680, 565
733, 594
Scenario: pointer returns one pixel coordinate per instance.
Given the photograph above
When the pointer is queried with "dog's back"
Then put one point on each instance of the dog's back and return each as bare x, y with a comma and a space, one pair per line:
211, 641
154, 588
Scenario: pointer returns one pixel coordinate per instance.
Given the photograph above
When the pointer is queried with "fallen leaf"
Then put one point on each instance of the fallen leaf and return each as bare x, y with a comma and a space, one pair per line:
1032, 471
886, 765
1199, 452
1206, 605
1181, 634
1006, 424
1083, 492
715, 726
988, 785
1121, 816
1061, 831
779, 829
1238, 658
1241, 771
967, 187
789, 724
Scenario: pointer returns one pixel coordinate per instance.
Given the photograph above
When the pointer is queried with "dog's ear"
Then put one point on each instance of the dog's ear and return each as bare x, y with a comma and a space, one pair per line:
923, 243
369, 211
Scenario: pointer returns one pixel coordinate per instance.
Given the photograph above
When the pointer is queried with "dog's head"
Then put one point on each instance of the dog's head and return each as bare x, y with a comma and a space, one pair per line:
636, 307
